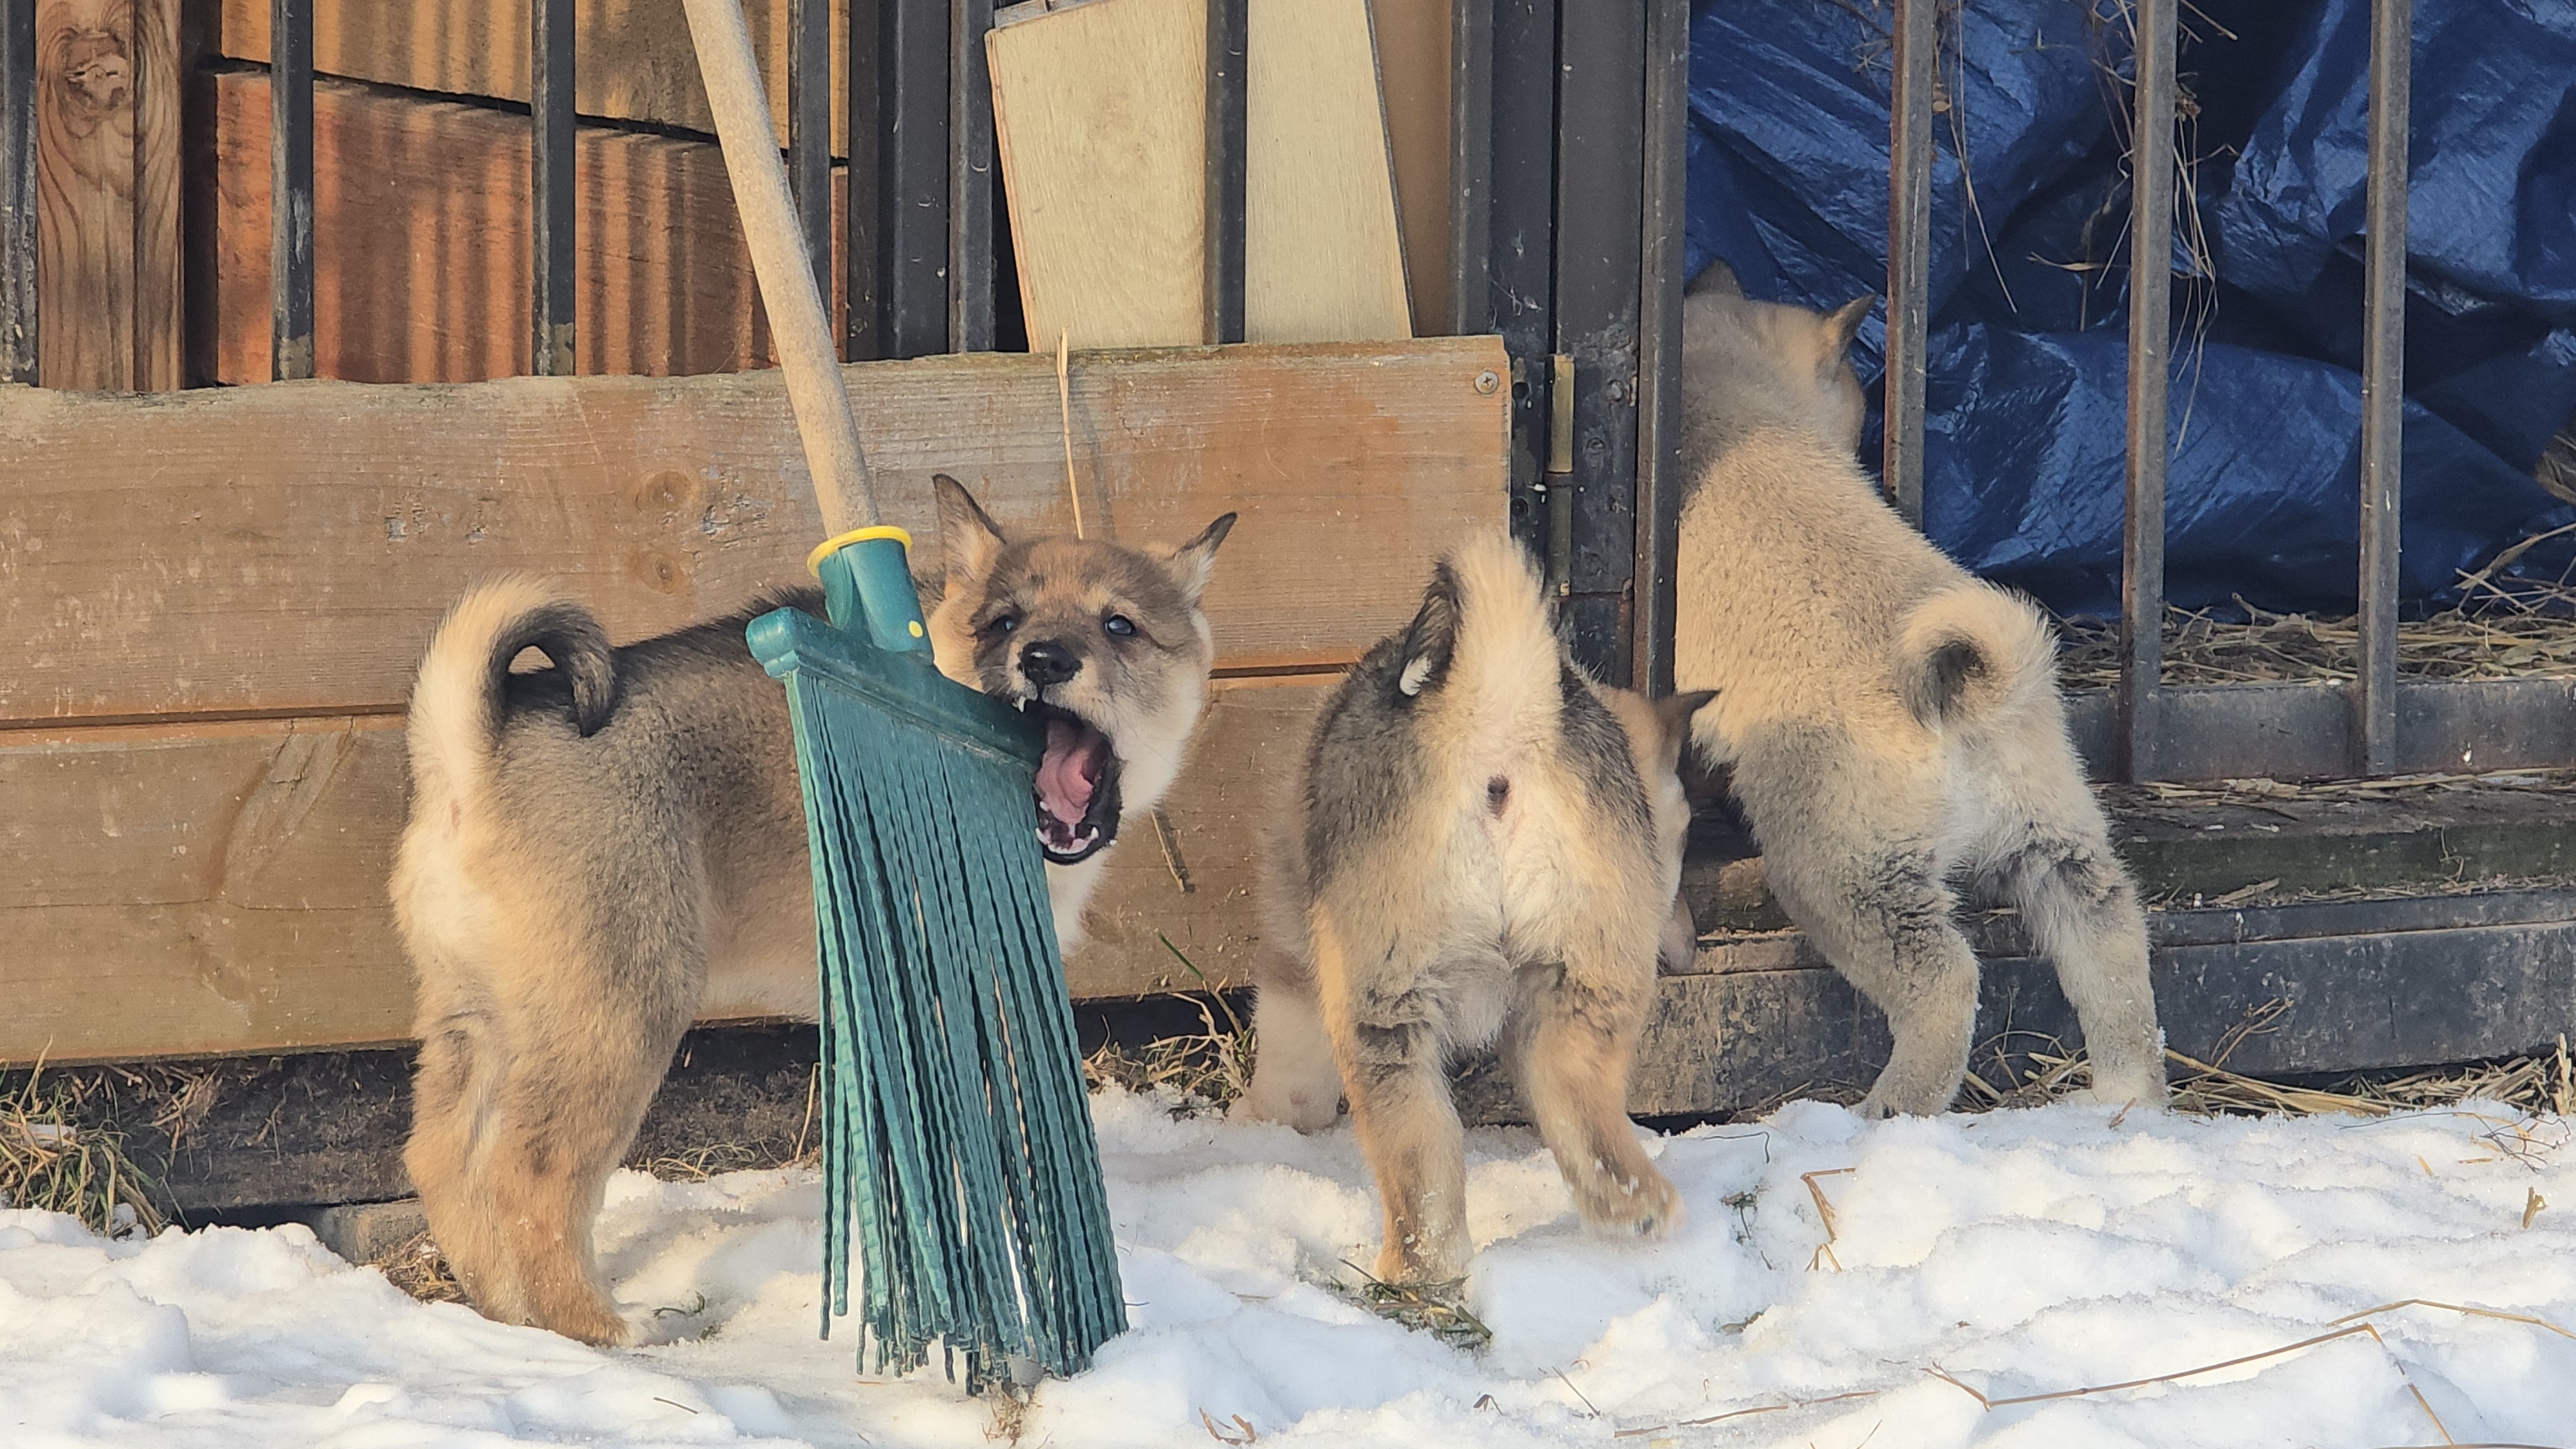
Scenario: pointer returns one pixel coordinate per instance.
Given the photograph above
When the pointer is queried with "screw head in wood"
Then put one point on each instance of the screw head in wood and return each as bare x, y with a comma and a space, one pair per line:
1487, 381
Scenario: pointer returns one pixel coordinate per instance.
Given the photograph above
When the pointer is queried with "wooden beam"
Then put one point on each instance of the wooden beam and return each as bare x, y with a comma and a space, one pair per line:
287, 549
421, 228
219, 889
633, 61
107, 218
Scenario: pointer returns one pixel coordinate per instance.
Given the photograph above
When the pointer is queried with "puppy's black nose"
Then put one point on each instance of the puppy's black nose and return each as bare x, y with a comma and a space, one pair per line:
1048, 662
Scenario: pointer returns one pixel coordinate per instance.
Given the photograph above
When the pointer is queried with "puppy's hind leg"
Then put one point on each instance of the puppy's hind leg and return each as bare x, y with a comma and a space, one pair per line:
1294, 1078
450, 1106
1883, 919
1572, 1044
1388, 1039
2082, 912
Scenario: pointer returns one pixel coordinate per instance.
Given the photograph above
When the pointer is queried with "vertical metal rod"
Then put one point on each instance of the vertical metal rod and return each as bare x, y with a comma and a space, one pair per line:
1659, 343
1471, 165
1518, 299
550, 186
1600, 247
1228, 32
970, 180
916, 202
809, 131
2383, 379
867, 260
1909, 252
2142, 536
290, 188
17, 190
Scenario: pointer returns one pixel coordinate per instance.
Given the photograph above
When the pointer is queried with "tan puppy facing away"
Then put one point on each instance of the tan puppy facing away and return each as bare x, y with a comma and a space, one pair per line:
601, 852
1488, 843
1893, 724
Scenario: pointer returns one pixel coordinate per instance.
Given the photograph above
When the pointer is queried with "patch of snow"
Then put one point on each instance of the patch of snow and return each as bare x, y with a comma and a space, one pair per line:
2019, 1253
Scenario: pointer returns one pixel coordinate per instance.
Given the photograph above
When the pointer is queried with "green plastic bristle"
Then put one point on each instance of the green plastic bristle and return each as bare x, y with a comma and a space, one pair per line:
958, 1147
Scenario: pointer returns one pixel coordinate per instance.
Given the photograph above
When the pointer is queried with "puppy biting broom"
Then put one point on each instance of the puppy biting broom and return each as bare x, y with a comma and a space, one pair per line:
1487, 844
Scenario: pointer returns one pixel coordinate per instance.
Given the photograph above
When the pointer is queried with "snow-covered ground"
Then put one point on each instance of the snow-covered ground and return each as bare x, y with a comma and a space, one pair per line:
2017, 1253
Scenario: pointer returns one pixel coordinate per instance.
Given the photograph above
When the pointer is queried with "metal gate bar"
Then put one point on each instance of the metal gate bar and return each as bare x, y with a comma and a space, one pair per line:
1229, 35
550, 187
2142, 533
17, 190
1659, 433
2383, 381
1909, 252
809, 131
290, 188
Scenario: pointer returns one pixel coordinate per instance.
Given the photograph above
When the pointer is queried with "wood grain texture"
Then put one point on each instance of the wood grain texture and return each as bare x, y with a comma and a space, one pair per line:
632, 60
1194, 887
1413, 38
1322, 257
421, 245
220, 888
107, 212
1099, 112
287, 549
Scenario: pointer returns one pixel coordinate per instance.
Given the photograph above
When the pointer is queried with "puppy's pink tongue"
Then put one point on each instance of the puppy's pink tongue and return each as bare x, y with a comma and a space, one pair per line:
1070, 771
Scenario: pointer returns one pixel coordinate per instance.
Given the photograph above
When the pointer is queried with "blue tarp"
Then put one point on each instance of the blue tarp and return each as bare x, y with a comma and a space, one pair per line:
2029, 265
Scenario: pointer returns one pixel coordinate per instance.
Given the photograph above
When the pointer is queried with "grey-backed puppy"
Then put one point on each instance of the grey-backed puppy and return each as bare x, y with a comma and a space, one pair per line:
1893, 724
1488, 843
601, 852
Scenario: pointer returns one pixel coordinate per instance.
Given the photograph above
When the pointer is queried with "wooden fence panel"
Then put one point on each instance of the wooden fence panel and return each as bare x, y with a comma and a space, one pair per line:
286, 550
220, 887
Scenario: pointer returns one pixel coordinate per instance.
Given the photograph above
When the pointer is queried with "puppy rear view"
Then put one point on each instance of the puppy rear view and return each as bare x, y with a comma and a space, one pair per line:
1488, 844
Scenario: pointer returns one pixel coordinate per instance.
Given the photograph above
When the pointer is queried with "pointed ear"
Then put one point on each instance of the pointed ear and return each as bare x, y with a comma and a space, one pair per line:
1716, 278
969, 539
1674, 712
1193, 561
1843, 324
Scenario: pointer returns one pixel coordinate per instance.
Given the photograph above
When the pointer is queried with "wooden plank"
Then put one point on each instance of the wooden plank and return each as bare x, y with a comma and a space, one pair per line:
220, 888
421, 251
107, 193
1413, 38
1099, 113
211, 889
1194, 887
632, 58
287, 549
1737, 1040
1322, 258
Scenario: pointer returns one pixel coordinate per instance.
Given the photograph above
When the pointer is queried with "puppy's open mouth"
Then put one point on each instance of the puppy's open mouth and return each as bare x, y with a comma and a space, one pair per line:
1077, 786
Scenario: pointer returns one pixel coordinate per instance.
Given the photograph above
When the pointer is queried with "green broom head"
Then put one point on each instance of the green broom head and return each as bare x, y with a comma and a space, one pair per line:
957, 1138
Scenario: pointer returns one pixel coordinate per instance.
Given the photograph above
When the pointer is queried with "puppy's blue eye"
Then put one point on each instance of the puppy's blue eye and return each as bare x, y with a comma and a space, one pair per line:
1002, 624
1119, 625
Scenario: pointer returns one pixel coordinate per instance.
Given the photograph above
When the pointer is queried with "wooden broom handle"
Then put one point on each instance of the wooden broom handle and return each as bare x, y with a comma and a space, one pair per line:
797, 320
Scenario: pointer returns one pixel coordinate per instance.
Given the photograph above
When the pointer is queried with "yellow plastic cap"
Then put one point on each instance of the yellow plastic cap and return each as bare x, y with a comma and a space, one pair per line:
834, 544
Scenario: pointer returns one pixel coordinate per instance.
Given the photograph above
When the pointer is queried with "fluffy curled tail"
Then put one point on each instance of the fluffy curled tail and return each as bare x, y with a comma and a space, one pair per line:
1485, 634
1969, 652
456, 705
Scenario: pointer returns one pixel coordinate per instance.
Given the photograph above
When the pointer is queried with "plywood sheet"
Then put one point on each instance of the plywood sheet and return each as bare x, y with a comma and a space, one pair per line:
287, 549
220, 888
1100, 110
1322, 258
